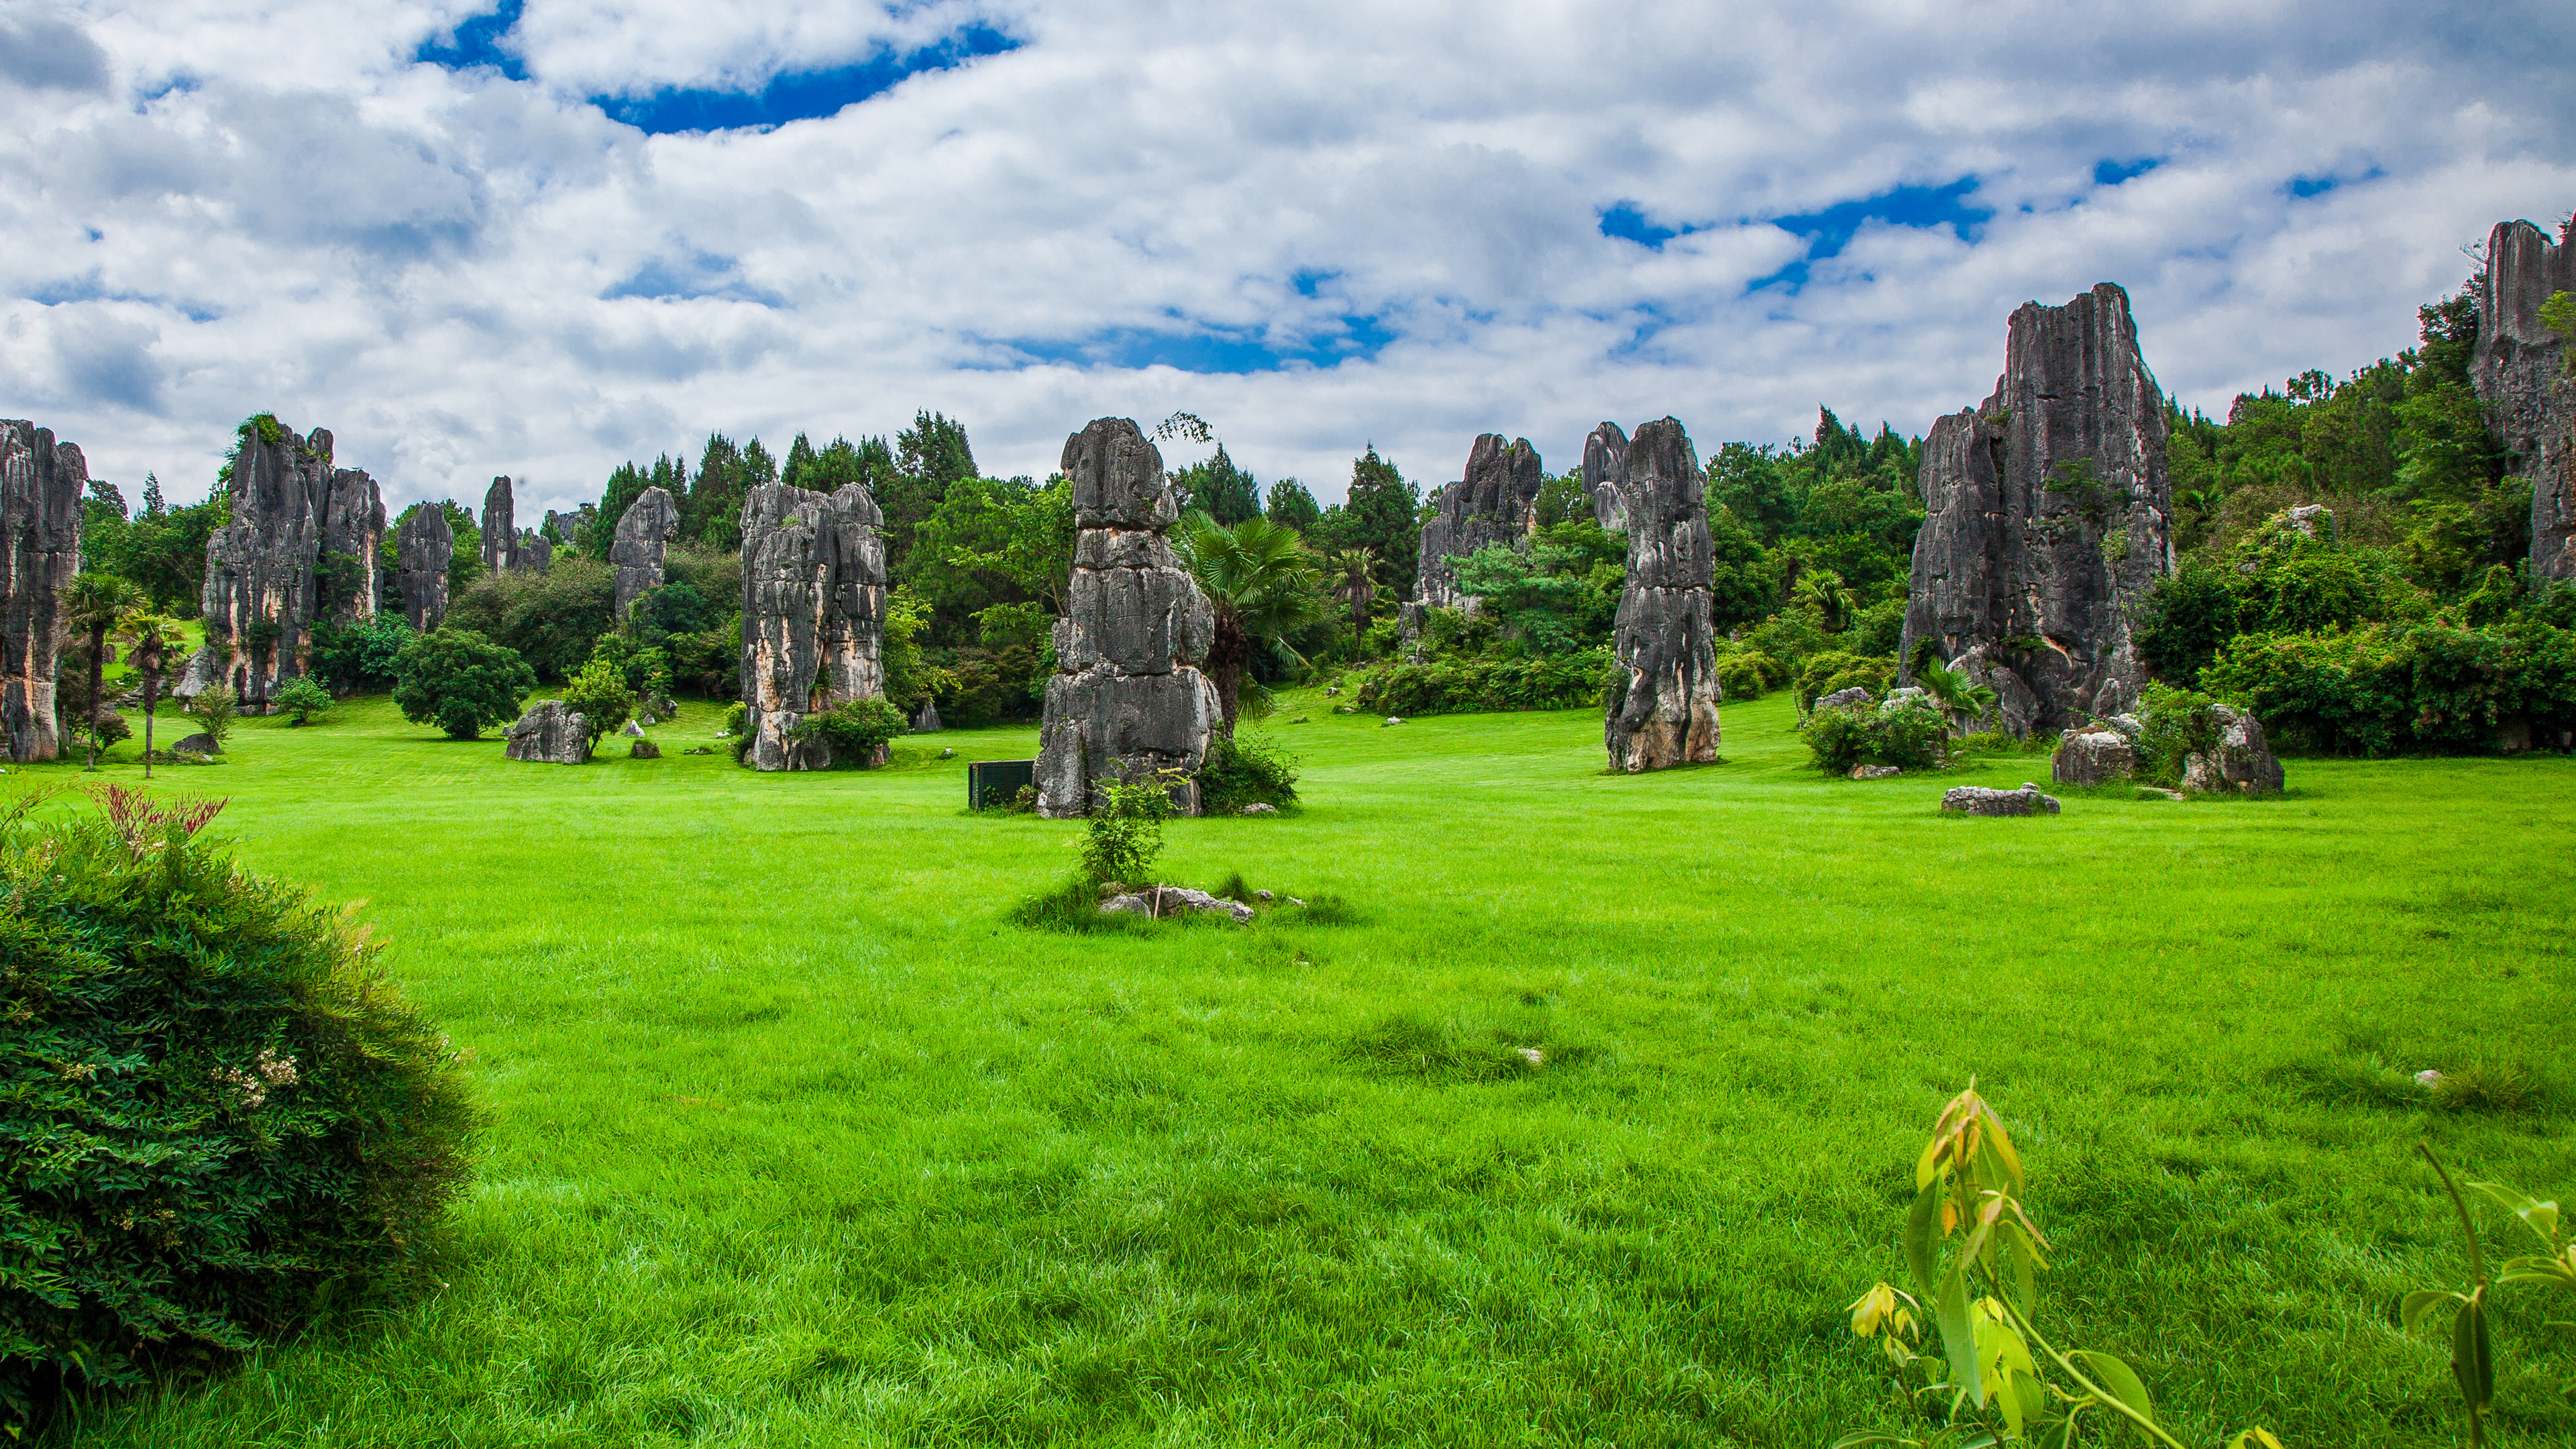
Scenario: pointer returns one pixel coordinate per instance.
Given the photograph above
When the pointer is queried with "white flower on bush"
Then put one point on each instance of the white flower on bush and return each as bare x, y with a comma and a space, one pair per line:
271, 1070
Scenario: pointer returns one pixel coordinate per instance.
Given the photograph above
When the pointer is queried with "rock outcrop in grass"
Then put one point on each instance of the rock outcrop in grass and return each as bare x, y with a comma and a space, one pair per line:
643, 538
41, 483
1128, 698
2051, 514
424, 547
302, 547
813, 615
2238, 762
549, 734
1664, 640
1497, 502
2520, 374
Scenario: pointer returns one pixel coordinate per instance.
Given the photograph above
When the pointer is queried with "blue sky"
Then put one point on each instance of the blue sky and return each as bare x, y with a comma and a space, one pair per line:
544, 236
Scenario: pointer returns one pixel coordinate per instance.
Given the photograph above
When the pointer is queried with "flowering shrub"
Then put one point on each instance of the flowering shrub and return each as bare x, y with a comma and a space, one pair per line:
215, 1110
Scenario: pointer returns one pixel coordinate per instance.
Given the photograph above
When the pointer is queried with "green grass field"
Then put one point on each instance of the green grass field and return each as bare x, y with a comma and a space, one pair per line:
796, 1141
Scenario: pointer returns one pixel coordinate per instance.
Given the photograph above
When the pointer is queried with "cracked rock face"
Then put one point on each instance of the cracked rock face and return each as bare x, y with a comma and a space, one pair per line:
2519, 373
41, 484
1127, 698
423, 548
1978, 800
2050, 514
1496, 502
303, 546
500, 528
2240, 764
549, 734
1604, 454
643, 538
813, 614
2093, 757
1668, 714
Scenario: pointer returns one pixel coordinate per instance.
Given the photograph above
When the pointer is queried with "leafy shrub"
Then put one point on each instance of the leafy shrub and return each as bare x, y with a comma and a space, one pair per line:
1244, 771
2379, 690
461, 682
215, 1109
600, 696
1907, 733
1834, 671
554, 619
359, 656
2177, 723
303, 699
1124, 833
1745, 672
215, 709
1457, 686
855, 731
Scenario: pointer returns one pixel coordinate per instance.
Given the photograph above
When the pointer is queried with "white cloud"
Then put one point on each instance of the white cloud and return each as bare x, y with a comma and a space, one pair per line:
217, 208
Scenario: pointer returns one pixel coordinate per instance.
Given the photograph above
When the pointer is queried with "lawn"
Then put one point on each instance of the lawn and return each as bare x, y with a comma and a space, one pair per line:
795, 1140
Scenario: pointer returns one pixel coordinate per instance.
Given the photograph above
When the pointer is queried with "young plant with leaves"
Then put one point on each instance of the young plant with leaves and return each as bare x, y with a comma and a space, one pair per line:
1975, 1255
2472, 1344
1262, 585
153, 644
95, 603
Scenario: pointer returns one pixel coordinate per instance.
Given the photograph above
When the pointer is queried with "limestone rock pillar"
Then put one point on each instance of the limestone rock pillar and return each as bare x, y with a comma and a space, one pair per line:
41, 484
1664, 637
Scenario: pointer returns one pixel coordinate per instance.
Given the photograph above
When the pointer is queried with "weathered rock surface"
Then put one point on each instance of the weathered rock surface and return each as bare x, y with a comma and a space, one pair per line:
1845, 698
2240, 764
2050, 513
1128, 698
2308, 518
1664, 637
41, 484
643, 539
2520, 375
2093, 757
925, 720
535, 553
1978, 800
1876, 772
424, 547
813, 614
644, 750
633, 729
1605, 453
1160, 901
572, 527
199, 743
549, 734
303, 546
500, 528
1497, 502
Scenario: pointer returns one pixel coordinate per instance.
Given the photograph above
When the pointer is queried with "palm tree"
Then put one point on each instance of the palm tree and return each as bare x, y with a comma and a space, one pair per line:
1962, 700
1823, 591
151, 642
1262, 584
1354, 575
93, 603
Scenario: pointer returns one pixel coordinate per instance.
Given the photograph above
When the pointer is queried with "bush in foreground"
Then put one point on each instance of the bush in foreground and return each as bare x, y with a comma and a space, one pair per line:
1908, 733
461, 682
216, 1113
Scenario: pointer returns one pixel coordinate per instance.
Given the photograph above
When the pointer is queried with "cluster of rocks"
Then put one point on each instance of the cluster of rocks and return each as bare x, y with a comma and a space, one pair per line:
1128, 699
507, 548
2239, 760
1664, 637
1160, 902
813, 614
424, 548
302, 546
2519, 371
41, 484
2050, 515
642, 542
1496, 502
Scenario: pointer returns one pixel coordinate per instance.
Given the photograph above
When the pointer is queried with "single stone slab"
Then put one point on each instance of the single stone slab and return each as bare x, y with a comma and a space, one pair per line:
549, 734
2093, 757
634, 728
1875, 772
2520, 375
2050, 516
302, 547
1497, 502
1128, 699
643, 538
1664, 637
41, 485
199, 743
1978, 800
2240, 764
424, 549
1844, 698
644, 750
813, 614
925, 720
1160, 901
1258, 808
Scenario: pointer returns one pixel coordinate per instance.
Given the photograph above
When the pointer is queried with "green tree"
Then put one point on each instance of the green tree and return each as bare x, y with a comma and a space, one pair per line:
93, 604
601, 696
153, 644
930, 457
1353, 574
303, 700
1218, 488
215, 709
1262, 585
461, 682
1383, 513
1291, 506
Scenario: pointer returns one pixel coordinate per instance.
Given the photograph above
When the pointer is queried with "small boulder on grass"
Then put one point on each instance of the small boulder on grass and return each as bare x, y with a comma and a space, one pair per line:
200, 743
644, 750
1978, 800
1161, 901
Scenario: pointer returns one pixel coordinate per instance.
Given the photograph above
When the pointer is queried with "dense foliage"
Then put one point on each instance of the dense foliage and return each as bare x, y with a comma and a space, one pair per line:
553, 620
2387, 688
1450, 686
359, 656
1244, 769
1908, 732
855, 731
461, 682
216, 1112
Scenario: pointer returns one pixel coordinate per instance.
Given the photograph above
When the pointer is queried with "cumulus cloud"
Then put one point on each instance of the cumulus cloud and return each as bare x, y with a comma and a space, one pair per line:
1320, 225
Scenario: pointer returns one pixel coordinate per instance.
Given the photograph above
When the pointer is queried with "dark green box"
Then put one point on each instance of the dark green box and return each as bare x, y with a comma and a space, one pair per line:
991, 784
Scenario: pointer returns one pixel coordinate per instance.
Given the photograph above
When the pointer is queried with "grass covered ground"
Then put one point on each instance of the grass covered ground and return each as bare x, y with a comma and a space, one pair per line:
795, 1141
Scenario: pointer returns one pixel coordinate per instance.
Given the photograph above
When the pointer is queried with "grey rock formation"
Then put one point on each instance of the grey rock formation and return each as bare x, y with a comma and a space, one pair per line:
500, 528
574, 526
1876, 772
535, 552
199, 743
1159, 901
925, 720
813, 614
424, 547
1664, 638
2240, 764
643, 538
2051, 513
2093, 757
2520, 375
644, 750
1978, 800
1497, 502
2307, 518
1845, 698
633, 729
549, 734
303, 546
1128, 698
41, 483
1605, 453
